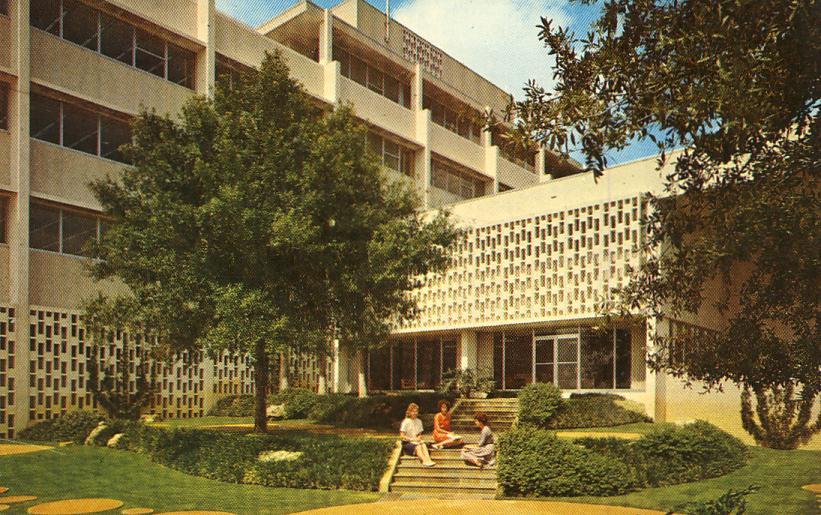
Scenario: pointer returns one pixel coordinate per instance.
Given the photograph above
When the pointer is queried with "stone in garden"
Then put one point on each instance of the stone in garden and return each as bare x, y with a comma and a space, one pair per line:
91, 439
114, 441
72, 506
275, 411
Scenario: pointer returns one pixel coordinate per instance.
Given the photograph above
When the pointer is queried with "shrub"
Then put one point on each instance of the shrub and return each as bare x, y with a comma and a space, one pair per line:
673, 455
466, 381
299, 402
74, 425
535, 462
731, 502
233, 406
593, 411
323, 462
379, 411
538, 402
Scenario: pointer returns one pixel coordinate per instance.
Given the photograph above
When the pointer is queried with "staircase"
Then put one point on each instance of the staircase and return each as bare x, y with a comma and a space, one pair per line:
451, 477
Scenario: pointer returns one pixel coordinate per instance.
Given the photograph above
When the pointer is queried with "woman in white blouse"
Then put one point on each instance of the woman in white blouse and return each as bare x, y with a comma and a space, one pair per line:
409, 432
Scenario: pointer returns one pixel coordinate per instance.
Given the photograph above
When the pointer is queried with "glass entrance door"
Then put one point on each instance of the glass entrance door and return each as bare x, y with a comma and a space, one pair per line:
556, 360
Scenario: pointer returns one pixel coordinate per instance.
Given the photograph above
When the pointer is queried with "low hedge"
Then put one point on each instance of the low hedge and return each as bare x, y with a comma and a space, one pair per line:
673, 454
538, 402
233, 406
74, 426
593, 411
534, 462
322, 462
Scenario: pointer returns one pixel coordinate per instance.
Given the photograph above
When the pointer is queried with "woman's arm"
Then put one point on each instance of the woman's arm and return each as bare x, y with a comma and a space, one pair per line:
436, 425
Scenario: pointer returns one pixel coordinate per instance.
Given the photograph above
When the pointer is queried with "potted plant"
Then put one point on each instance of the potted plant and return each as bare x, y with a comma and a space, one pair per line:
468, 382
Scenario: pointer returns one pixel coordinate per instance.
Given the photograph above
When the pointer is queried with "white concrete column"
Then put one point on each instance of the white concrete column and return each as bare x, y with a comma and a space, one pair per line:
326, 36
492, 163
343, 365
423, 121
417, 88
541, 168
468, 350
207, 61
330, 83
18, 125
655, 383
362, 385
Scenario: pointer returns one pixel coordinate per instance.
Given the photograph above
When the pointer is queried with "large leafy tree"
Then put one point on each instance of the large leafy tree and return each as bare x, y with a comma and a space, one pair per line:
736, 86
257, 223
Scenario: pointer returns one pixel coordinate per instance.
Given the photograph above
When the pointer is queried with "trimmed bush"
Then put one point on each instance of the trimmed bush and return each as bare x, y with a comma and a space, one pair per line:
534, 462
379, 411
74, 426
593, 411
312, 461
233, 406
672, 455
538, 402
299, 402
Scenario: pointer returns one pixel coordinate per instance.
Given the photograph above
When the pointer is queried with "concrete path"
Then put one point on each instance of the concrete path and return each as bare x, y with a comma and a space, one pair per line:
7, 449
473, 507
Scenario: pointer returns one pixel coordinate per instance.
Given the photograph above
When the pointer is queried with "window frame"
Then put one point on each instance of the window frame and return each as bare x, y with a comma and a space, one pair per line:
5, 98
61, 211
4, 219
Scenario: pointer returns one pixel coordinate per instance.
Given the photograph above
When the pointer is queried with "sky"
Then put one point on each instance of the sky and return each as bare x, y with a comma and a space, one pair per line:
496, 38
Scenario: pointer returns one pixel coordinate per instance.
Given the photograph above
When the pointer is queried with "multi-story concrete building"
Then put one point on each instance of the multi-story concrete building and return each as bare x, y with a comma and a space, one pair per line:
521, 299
72, 75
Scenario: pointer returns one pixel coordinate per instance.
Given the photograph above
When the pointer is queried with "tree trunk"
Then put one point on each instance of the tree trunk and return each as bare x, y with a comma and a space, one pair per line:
322, 365
260, 388
362, 386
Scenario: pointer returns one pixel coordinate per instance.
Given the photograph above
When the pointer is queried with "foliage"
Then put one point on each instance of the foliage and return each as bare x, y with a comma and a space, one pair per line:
736, 84
465, 381
326, 462
673, 455
535, 462
538, 402
233, 406
592, 411
74, 425
299, 402
731, 502
255, 222
102, 318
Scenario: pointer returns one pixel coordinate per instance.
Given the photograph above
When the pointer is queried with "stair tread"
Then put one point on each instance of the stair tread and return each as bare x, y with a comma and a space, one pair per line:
432, 485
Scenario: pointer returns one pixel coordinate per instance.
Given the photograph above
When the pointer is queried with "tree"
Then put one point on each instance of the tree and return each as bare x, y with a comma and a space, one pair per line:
244, 225
736, 85
102, 319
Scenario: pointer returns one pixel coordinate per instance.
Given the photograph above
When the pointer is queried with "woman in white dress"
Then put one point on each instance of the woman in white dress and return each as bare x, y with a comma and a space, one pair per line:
409, 432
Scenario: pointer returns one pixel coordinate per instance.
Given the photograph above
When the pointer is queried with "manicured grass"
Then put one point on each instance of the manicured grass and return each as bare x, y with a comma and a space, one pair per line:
638, 427
195, 423
780, 474
78, 471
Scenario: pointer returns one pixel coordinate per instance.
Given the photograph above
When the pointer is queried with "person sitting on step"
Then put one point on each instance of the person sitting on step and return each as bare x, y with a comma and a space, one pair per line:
409, 432
443, 434
483, 453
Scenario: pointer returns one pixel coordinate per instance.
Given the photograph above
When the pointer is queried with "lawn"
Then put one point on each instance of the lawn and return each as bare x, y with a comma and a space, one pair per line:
780, 474
78, 471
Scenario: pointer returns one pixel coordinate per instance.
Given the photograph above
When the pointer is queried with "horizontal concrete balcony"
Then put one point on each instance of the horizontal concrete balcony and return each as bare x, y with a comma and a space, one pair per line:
179, 16
99, 79
456, 148
62, 280
514, 175
378, 110
63, 174
244, 45
5, 158
5, 42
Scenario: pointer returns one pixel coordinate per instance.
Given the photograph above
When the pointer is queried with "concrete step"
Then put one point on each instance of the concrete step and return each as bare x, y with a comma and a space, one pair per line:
453, 482
439, 488
450, 466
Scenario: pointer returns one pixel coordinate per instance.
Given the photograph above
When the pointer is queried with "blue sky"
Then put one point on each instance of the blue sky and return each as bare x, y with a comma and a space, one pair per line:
496, 38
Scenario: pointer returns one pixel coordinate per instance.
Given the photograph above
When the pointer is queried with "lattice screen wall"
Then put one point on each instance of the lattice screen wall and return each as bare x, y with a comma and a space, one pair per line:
556, 265
7, 362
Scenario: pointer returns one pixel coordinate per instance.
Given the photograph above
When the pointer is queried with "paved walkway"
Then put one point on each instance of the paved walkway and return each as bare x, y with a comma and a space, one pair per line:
7, 449
472, 507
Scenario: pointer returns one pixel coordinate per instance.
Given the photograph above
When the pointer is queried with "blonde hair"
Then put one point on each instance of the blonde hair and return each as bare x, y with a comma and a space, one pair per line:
411, 407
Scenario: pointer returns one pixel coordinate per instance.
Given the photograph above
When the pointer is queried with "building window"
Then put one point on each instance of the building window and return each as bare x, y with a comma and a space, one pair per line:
92, 29
504, 187
4, 207
373, 78
78, 128
4, 106
463, 121
391, 154
62, 230
4, 7
229, 72
460, 183
514, 153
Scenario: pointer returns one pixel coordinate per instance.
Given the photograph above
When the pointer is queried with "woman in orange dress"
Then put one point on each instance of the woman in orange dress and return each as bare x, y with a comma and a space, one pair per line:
443, 435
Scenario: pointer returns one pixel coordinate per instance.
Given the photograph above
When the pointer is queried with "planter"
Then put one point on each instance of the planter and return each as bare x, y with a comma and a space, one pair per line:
477, 395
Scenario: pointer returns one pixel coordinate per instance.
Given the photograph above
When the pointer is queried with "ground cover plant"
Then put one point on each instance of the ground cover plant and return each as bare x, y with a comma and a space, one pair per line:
74, 426
541, 404
534, 461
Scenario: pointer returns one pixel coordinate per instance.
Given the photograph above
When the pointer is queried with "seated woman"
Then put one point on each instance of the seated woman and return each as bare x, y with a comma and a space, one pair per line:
409, 431
443, 435
484, 453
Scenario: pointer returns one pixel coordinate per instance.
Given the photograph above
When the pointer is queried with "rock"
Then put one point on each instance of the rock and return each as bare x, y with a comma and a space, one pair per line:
91, 439
275, 411
116, 441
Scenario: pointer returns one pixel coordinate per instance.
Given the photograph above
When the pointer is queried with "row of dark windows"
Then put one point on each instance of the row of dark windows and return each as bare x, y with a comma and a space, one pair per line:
63, 230
391, 154
4, 206
372, 77
4, 106
76, 127
463, 122
115, 38
460, 183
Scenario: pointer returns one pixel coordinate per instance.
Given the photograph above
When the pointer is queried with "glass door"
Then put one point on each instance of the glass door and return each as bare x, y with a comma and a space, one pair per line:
543, 359
567, 362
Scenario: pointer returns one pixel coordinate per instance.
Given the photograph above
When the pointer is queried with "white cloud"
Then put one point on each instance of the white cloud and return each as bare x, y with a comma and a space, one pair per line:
496, 38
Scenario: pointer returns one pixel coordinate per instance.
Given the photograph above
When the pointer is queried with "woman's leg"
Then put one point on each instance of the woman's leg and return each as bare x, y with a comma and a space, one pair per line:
422, 452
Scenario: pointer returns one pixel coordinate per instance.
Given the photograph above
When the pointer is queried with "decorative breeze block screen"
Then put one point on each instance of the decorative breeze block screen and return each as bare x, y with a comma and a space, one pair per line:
417, 50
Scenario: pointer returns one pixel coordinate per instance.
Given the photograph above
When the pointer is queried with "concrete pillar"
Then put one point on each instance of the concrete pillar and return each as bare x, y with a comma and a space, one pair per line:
541, 168
18, 238
362, 386
655, 383
330, 84
417, 88
468, 350
283, 370
206, 64
423, 121
326, 36
342, 368
492, 163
